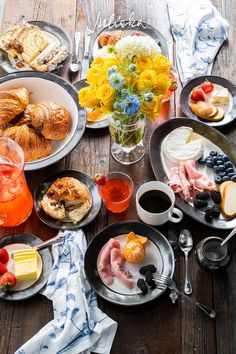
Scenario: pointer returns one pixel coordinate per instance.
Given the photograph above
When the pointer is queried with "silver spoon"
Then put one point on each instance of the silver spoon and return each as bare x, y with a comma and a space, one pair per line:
232, 233
75, 63
186, 245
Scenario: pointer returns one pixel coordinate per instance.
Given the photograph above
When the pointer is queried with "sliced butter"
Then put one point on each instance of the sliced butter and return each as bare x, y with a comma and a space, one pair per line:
25, 265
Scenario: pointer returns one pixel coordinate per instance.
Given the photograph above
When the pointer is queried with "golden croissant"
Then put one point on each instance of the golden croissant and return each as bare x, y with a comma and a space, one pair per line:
33, 145
49, 119
12, 103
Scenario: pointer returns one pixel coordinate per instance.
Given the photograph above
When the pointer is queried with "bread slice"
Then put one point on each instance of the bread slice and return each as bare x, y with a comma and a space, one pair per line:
219, 116
201, 109
222, 187
228, 204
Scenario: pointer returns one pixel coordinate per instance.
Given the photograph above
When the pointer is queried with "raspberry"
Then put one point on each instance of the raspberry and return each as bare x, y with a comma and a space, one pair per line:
142, 286
216, 197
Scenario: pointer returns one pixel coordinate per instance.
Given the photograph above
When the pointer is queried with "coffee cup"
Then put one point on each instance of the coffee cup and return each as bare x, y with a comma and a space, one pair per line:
155, 204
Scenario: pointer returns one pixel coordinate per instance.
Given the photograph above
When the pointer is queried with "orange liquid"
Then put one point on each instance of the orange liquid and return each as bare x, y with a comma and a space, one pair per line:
16, 201
116, 194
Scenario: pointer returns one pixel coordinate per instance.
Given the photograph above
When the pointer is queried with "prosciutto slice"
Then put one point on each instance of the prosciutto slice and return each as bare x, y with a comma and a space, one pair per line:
190, 168
175, 182
203, 183
184, 182
117, 263
104, 265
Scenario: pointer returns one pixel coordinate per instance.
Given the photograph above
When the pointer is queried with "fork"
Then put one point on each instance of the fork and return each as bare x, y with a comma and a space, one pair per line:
162, 281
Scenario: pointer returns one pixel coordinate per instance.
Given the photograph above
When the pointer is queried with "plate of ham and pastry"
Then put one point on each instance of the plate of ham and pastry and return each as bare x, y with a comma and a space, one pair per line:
199, 164
68, 200
34, 45
122, 259
40, 111
210, 99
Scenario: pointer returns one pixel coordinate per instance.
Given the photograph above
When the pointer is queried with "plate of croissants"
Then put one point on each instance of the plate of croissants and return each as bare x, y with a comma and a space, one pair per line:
40, 111
67, 200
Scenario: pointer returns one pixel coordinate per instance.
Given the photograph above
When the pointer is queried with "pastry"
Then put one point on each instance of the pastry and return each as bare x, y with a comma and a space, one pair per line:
12, 103
201, 109
33, 145
49, 119
50, 58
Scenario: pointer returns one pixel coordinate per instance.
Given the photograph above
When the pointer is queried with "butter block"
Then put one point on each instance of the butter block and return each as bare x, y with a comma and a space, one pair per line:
25, 265
221, 97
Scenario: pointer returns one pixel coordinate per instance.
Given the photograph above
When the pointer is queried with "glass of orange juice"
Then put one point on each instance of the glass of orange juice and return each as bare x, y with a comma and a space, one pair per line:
117, 191
16, 201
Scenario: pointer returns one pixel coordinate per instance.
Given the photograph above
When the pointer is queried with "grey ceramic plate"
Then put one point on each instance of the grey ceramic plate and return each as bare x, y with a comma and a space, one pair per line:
184, 98
31, 240
56, 224
52, 29
136, 26
209, 133
101, 239
96, 125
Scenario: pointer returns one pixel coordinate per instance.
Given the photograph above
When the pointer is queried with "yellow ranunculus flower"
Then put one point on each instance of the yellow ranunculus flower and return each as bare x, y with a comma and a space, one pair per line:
103, 80
105, 92
163, 82
94, 75
108, 62
161, 64
130, 80
87, 98
153, 108
144, 63
107, 105
98, 62
147, 80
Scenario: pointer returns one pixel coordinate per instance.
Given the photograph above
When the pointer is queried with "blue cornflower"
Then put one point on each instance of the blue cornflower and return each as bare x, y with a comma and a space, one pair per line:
131, 68
112, 70
132, 105
116, 81
148, 97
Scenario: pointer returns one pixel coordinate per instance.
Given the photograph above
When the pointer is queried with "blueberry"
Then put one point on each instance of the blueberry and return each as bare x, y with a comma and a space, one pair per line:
233, 178
225, 178
219, 162
213, 153
214, 159
229, 170
201, 161
225, 158
228, 164
231, 174
218, 179
210, 164
220, 156
216, 169
221, 167
222, 174
208, 158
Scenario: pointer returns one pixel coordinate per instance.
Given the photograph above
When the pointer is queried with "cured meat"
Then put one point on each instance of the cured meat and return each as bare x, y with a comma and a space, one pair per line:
117, 263
175, 182
184, 182
203, 183
104, 266
190, 168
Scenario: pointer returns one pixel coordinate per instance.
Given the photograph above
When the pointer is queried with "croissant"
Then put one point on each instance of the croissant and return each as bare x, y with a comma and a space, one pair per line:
12, 103
49, 119
33, 145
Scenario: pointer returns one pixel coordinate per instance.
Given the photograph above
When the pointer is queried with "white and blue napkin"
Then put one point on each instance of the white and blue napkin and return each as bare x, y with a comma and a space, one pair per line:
199, 31
78, 325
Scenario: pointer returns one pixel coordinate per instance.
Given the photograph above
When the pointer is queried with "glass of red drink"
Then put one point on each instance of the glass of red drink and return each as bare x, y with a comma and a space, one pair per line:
16, 201
117, 191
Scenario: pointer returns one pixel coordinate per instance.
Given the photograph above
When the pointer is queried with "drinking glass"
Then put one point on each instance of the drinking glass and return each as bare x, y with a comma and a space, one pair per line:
16, 201
117, 191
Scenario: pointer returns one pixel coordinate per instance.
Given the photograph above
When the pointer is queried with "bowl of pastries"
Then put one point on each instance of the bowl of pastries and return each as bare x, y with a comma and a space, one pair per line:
67, 200
40, 111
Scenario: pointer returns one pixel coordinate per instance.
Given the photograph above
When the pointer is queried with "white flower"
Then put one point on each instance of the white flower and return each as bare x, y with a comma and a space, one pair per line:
102, 53
140, 46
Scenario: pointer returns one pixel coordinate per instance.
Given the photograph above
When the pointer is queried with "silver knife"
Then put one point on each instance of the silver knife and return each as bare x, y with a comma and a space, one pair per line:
85, 61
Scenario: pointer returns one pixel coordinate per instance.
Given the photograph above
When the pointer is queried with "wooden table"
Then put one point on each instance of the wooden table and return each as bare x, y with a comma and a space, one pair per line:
159, 327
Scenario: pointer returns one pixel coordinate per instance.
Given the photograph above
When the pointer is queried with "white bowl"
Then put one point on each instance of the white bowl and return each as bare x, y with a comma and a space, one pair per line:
47, 86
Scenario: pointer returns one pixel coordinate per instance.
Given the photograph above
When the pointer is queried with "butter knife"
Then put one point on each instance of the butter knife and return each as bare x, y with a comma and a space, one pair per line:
85, 61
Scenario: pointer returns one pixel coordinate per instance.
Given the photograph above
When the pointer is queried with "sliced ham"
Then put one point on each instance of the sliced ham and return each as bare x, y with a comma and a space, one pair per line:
175, 182
190, 168
203, 183
117, 264
185, 193
104, 266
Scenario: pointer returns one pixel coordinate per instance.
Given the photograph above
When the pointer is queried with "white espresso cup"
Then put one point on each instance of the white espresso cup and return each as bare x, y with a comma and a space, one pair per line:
158, 218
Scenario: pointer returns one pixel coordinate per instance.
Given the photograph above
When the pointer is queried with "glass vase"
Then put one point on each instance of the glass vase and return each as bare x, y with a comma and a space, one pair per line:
127, 135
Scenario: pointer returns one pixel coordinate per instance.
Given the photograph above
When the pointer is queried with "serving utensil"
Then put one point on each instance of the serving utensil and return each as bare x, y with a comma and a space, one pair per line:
162, 281
232, 233
85, 61
75, 63
186, 245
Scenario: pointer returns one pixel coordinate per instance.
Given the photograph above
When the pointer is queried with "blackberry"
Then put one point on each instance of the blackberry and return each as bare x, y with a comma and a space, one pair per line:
142, 286
215, 210
202, 195
148, 268
208, 215
198, 203
216, 196
149, 280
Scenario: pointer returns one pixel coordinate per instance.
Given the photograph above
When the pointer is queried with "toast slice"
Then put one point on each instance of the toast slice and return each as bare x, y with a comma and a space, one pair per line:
228, 204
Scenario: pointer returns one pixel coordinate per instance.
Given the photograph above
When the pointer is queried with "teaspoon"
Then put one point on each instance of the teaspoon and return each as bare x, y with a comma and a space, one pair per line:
186, 245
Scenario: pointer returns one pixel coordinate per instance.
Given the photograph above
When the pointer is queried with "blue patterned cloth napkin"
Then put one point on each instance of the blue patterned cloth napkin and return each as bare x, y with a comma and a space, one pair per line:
199, 31
78, 325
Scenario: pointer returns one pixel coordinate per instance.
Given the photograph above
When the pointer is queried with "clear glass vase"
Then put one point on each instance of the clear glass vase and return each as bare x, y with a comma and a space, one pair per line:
127, 135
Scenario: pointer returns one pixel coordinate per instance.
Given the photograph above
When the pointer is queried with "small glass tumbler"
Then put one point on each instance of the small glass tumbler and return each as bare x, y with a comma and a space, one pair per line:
211, 256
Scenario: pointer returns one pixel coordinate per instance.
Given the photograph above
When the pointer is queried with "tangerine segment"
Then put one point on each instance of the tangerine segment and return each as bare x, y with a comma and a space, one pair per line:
134, 252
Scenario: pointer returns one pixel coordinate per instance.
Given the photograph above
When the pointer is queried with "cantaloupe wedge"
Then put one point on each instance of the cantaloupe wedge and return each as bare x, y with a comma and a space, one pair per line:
228, 203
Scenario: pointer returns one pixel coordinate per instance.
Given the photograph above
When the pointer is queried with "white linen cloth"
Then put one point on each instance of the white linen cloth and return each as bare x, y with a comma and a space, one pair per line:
199, 31
78, 325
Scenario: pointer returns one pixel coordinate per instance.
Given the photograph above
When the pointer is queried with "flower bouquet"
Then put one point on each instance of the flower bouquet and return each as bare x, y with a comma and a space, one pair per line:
127, 82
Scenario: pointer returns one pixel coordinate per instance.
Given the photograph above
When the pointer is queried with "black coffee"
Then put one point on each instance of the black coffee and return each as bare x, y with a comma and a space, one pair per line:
155, 201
